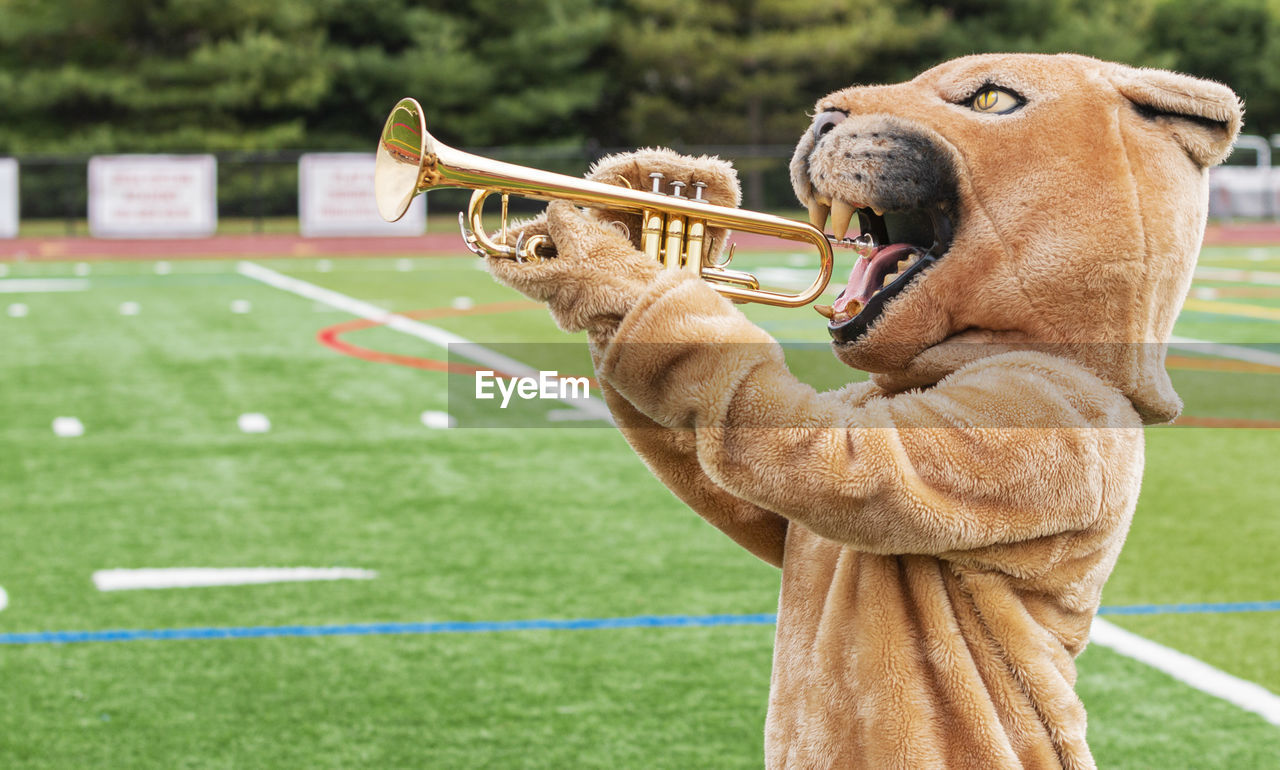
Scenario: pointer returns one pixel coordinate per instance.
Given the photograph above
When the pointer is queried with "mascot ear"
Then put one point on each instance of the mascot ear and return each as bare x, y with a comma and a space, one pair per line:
1203, 116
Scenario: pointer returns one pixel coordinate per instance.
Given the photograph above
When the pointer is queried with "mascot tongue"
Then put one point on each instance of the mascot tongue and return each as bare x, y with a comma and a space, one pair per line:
867, 276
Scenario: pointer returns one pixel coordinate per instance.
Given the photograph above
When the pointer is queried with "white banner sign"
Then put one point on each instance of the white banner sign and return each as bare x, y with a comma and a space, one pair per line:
8, 198
335, 197
153, 196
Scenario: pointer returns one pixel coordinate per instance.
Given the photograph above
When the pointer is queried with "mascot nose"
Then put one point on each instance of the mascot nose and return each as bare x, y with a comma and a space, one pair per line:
825, 121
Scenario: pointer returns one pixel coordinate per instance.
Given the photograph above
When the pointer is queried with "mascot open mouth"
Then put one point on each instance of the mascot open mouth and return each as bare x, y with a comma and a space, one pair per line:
895, 247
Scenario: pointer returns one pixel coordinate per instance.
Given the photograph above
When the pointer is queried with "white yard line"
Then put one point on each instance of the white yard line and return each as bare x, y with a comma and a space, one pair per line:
414, 328
1224, 350
1188, 670
199, 577
1238, 276
42, 285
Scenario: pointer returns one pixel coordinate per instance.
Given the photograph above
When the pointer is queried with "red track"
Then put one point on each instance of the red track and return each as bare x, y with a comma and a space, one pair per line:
434, 244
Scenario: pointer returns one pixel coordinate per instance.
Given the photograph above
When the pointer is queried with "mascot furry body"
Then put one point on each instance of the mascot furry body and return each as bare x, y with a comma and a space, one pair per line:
944, 531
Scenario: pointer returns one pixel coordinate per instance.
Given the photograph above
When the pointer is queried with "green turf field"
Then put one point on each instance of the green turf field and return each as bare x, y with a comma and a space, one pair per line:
474, 525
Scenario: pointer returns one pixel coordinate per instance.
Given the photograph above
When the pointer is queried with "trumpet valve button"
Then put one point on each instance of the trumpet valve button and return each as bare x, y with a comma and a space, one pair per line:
656, 176
678, 188
698, 187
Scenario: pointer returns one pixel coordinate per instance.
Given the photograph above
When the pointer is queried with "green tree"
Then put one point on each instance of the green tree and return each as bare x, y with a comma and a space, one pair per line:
80, 76
99, 76
747, 71
1107, 29
487, 72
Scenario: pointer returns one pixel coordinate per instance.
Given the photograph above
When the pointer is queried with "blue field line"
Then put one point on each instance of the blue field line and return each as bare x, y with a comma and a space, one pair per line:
1188, 609
381, 629
491, 626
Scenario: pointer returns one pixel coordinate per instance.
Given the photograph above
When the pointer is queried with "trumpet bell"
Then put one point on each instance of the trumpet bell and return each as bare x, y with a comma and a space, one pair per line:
403, 149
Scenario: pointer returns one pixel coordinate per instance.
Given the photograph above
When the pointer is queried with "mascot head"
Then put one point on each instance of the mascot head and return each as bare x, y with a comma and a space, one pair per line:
1014, 201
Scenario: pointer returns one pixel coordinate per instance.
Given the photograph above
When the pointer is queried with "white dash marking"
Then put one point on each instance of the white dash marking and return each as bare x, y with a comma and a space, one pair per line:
82, 268
67, 427
798, 259
324, 266
241, 306
200, 577
1258, 255
17, 310
1192, 671
1209, 294
130, 308
4, 599
438, 420
42, 285
403, 265
163, 268
569, 415
253, 422
462, 303
4, 269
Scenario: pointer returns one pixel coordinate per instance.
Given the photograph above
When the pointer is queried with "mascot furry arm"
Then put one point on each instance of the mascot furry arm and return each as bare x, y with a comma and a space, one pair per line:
945, 530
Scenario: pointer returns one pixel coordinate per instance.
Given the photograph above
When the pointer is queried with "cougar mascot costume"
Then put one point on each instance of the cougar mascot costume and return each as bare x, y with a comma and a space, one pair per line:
944, 530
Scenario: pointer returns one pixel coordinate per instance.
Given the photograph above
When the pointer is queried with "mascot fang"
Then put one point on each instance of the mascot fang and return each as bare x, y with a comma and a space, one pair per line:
944, 530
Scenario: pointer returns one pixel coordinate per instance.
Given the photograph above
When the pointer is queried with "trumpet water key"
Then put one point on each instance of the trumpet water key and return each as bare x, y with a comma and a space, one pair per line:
674, 222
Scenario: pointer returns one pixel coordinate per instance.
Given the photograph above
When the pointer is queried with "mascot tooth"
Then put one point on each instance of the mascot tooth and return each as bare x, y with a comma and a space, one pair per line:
944, 530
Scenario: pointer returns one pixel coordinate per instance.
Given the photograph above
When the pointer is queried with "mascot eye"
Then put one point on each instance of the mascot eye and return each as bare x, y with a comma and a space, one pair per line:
995, 101
827, 121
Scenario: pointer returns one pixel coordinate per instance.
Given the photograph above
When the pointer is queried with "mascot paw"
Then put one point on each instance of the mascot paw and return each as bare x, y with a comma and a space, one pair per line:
598, 272
595, 277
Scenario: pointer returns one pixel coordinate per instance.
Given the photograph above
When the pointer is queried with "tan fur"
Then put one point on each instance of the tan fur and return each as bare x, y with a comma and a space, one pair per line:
945, 531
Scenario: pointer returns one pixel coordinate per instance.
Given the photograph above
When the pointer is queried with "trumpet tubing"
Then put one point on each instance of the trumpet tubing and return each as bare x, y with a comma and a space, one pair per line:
674, 226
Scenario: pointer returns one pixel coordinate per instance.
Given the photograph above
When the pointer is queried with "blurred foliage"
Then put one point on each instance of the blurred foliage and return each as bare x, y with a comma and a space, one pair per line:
162, 75
81, 76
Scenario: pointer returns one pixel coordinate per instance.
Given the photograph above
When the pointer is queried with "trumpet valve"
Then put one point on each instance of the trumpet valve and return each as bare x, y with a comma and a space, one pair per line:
698, 187
678, 189
656, 176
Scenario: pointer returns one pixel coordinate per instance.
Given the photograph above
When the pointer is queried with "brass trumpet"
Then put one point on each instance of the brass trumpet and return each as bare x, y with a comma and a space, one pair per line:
410, 161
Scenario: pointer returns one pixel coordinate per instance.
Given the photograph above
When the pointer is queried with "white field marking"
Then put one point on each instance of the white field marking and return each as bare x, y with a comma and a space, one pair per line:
1209, 294
1193, 671
4, 269
4, 598
462, 303
82, 269
241, 306
403, 265
1238, 276
199, 577
42, 285
253, 422
67, 427
324, 266
406, 325
798, 259
1224, 350
130, 308
163, 268
439, 420
17, 310
567, 415
1258, 255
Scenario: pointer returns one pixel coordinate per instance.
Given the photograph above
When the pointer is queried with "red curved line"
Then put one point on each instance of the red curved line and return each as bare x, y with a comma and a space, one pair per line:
330, 337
